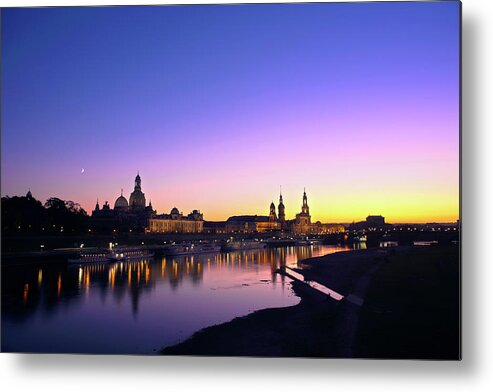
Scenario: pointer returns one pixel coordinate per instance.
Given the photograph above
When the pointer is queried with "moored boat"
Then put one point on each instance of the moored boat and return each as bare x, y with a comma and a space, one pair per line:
303, 242
104, 255
388, 244
425, 243
130, 253
190, 248
91, 256
244, 245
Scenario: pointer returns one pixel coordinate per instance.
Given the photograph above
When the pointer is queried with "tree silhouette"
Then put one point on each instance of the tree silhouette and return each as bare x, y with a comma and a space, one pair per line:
26, 214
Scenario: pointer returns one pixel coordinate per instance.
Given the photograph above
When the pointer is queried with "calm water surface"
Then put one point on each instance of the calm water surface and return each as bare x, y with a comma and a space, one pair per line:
140, 307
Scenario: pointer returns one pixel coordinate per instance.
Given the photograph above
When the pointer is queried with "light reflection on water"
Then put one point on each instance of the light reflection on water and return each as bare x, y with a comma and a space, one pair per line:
140, 306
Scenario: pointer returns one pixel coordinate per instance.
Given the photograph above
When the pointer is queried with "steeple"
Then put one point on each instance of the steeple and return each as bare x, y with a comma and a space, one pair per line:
282, 215
304, 207
137, 182
97, 205
272, 213
137, 197
29, 195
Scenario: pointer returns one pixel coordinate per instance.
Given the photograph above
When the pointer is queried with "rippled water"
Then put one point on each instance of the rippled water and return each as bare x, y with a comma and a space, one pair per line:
140, 307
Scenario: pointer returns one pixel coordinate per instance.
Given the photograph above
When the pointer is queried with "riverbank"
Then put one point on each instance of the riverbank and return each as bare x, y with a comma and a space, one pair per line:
399, 303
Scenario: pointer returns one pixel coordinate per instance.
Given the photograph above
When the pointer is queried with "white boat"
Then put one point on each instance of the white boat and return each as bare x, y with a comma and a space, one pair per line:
91, 256
129, 253
101, 255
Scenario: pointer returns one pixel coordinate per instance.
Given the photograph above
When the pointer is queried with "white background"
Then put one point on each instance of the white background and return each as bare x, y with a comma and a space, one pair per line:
473, 373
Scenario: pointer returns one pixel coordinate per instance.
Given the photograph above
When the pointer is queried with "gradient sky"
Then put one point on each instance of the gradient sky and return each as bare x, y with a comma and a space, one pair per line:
217, 106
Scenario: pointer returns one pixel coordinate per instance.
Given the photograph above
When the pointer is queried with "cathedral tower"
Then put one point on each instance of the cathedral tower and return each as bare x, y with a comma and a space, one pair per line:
304, 208
282, 215
137, 197
272, 213
303, 224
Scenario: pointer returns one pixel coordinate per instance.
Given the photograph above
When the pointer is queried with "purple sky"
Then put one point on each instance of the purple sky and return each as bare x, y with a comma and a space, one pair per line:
217, 106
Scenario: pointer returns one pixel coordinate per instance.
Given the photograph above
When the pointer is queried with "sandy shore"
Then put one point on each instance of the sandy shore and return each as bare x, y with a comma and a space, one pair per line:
390, 310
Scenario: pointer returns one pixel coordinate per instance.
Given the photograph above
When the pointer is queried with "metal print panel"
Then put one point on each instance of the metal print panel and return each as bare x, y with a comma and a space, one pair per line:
276, 180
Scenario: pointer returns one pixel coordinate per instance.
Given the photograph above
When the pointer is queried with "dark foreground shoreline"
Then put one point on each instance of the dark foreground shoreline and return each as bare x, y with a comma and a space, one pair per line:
399, 303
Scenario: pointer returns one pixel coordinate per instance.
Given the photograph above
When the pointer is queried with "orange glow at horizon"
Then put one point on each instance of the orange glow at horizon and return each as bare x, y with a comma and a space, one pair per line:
407, 191
404, 206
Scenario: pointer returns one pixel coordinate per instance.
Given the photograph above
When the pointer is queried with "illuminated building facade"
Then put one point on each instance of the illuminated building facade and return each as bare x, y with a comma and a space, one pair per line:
250, 224
176, 222
214, 227
332, 228
254, 223
134, 214
301, 225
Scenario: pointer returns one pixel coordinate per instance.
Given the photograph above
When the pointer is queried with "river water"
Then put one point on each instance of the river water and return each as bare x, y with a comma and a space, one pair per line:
142, 306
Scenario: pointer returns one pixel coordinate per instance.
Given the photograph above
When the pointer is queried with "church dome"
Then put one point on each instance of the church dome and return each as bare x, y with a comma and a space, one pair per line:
137, 199
175, 211
121, 202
